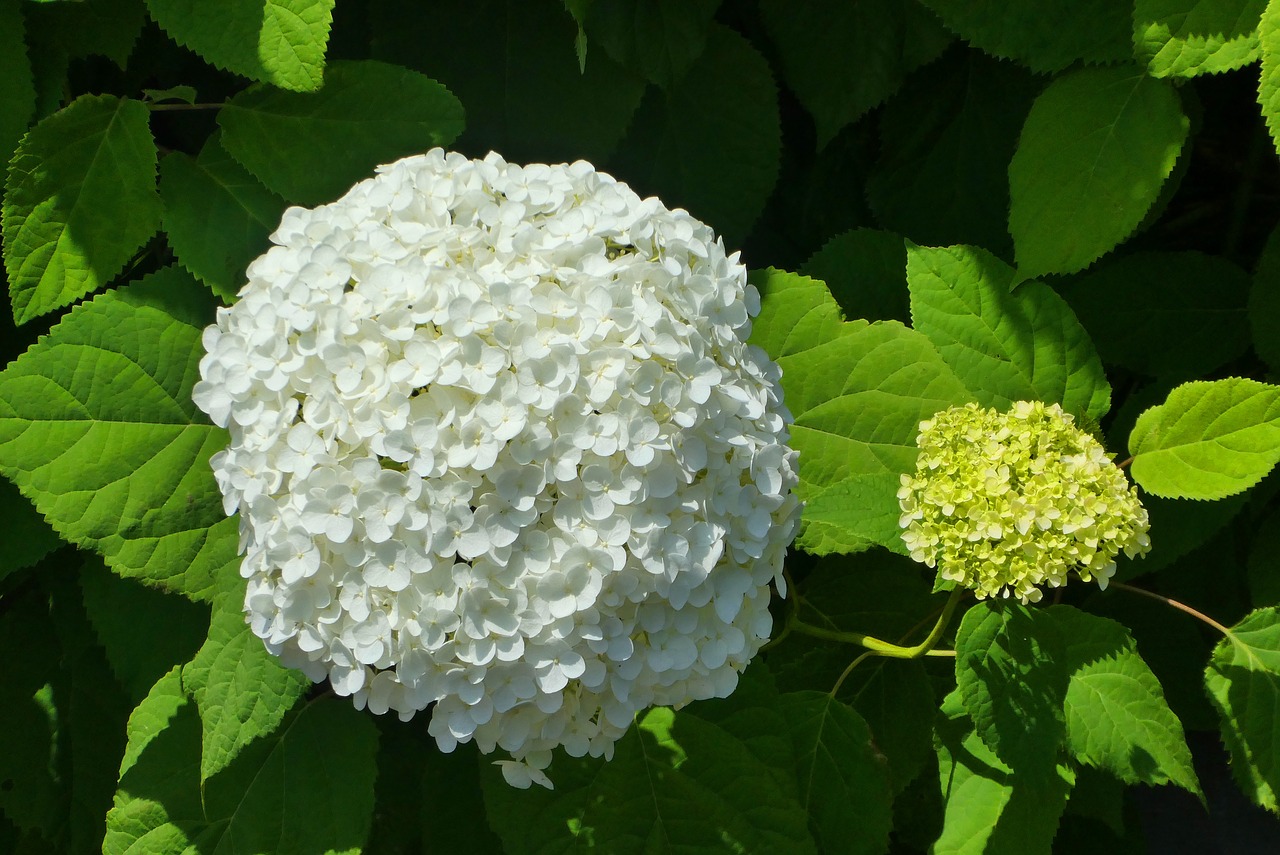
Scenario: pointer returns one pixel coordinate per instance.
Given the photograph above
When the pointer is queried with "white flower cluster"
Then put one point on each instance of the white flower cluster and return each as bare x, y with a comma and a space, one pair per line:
498, 445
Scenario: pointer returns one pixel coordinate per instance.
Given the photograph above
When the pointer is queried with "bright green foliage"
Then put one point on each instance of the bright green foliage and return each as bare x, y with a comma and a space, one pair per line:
990, 809
1269, 85
163, 702
865, 270
17, 88
308, 788
945, 144
1116, 714
243, 692
217, 215
854, 514
1094, 152
844, 781
1208, 440
1164, 314
1243, 680
656, 795
1044, 35
27, 537
528, 99
310, 147
1264, 303
796, 313
660, 39
1012, 680
97, 428
1183, 38
842, 59
281, 42
712, 142
1021, 346
80, 199
117, 607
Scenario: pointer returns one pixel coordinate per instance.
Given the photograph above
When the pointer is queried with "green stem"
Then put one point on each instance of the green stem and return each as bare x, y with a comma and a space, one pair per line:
1175, 604
879, 646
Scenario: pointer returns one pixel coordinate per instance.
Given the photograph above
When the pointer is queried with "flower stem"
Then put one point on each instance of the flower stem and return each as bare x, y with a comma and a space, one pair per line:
1175, 604
880, 647
1124, 463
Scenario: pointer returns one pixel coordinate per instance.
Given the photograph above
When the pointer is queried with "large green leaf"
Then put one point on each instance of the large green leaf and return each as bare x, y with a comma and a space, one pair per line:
307, 788
17, 87
989, 809
311, 146
80, 199
942, 176
866, 272
1243, 680
281, 42
98, 429
1164, 314
242, 691
1012, 679
852, 515
677, 783
842, 59
1269, 84
1116, 714
1184, 38
1208, 440
528, 100
712, 142
844, 780
1094, 152
1024, 345
217, 216
1046, 35
660, 39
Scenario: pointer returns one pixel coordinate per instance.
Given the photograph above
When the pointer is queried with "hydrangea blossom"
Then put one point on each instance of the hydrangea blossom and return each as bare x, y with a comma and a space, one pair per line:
499, 445
1004, 502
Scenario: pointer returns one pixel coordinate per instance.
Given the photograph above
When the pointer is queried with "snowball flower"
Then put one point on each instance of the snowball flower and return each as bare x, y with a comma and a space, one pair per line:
1003, 502
500, 448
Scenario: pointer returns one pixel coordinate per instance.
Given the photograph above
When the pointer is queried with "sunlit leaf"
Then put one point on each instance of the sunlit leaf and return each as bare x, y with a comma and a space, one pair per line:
1184, 38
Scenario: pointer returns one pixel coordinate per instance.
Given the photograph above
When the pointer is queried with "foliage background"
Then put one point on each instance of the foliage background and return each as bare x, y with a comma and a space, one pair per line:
1119, 154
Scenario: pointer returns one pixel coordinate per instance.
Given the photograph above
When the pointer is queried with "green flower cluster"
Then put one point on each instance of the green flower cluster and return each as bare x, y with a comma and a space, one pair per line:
1003, 502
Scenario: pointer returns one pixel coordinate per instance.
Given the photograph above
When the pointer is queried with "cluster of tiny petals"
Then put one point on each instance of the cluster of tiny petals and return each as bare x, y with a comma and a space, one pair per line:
498, 445
1002, 503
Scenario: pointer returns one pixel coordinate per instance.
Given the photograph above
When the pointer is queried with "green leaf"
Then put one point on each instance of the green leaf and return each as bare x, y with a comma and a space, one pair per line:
242, 690
660, 39
853, 515
842, 59
990, 809
865, 270
311, 147
711, 143
97, 428
1154, 312
307, 788
1095, 150
1184, 38
217, 216
1243, 681
27, 537
80, 199
844, 781
179, 94
1117, 718
676, 783
1208, 440
86, 28
942, 177
1264, 303
17, 85
529, 100
153, 714
1047, 35
1021, 346
1012, 680
281, 42
858, 391
117, 607
1269, 84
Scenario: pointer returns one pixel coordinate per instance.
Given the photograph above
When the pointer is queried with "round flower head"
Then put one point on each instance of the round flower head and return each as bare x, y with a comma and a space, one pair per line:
498, 444
1003, 502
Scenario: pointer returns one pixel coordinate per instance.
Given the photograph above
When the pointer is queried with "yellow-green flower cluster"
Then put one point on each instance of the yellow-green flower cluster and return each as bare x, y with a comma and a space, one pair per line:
1004, 502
